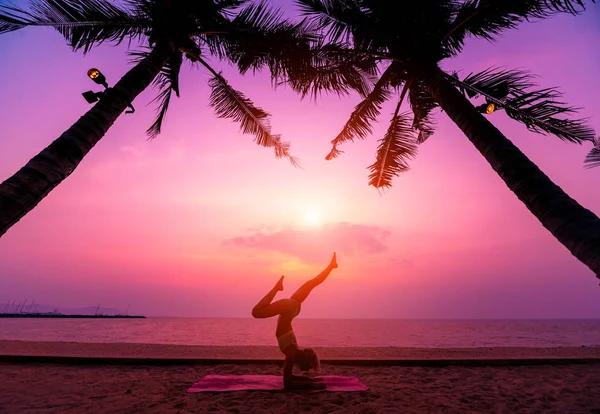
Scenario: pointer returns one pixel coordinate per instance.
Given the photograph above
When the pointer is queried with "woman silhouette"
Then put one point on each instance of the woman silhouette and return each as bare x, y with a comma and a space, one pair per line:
288, 309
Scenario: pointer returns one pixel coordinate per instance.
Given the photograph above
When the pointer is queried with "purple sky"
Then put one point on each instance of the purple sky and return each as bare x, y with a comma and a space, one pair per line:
201, 221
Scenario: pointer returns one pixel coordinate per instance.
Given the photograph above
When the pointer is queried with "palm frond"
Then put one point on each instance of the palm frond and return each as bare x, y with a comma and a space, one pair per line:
564, 6
232, 104
90, 23
488, 18
422, 105
330, 68
537, 109
334, 153
360, 123
395, 150
325, 76
260, 18
137, 55
498, 82
167, 82
358, 22
83, 23
13, 18
593, 158
334, 17
424, 135
215, 46
259, 37
229, 6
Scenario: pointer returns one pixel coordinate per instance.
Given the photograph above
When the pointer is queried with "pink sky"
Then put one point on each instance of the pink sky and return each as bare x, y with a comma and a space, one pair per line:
201, 221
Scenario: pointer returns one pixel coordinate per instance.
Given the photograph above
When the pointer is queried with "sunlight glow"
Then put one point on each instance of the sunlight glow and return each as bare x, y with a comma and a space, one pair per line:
313, 217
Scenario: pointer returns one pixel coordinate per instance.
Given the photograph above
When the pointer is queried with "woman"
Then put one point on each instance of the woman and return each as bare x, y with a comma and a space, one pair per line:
288, 309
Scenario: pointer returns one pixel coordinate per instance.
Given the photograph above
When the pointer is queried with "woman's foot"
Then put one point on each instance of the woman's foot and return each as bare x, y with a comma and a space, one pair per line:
333, 264
279, 285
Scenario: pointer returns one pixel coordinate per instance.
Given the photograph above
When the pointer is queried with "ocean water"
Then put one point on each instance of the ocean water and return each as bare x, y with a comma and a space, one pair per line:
311, 332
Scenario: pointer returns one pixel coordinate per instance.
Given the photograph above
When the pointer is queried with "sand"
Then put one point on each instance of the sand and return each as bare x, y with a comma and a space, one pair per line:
33, 387
45, 388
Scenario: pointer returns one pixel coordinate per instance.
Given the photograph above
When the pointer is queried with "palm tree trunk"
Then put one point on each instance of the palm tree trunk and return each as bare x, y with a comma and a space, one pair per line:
576, 227
20, 193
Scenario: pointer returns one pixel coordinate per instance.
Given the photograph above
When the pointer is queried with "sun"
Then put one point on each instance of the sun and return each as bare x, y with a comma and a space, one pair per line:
313, 217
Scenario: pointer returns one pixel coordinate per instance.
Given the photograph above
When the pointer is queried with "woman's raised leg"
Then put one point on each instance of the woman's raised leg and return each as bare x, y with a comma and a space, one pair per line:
265, 309
302, 293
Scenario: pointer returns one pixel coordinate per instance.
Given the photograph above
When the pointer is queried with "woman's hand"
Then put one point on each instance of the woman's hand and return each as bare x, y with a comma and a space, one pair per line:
318, 385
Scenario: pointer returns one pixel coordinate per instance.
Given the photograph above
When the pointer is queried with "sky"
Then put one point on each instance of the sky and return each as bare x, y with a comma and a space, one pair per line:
201, 222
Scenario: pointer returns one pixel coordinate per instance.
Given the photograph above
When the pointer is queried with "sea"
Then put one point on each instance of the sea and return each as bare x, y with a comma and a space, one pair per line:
419, 333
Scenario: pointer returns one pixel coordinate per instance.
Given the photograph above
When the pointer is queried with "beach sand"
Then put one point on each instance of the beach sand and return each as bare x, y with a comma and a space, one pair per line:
34, 387
42, 388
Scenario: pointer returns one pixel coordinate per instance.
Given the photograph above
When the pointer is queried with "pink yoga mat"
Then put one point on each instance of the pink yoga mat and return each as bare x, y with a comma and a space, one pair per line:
226, 383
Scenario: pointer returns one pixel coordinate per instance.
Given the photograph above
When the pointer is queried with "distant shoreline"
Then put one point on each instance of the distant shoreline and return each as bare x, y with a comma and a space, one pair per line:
63, 316
249, 318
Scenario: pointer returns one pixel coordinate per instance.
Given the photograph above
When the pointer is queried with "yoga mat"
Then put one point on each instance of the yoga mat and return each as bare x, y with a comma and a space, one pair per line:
226, 383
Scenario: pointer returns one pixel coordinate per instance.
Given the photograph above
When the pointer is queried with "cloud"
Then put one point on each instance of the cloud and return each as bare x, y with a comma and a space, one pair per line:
401, 262
311, 244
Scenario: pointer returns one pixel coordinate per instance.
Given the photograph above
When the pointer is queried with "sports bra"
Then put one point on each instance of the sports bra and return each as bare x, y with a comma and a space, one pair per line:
286, 339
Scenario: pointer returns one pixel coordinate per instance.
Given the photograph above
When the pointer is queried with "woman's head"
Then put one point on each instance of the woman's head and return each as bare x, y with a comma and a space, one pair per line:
307, 359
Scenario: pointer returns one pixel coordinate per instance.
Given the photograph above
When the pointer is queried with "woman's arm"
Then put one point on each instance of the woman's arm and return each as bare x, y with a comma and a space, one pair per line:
288, 377
305, 378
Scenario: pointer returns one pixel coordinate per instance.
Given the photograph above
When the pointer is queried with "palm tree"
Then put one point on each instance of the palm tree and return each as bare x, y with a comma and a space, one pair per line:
251, 37
408, 40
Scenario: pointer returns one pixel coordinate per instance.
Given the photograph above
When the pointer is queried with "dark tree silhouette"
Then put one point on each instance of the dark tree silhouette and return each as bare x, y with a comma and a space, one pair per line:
250, 35
408, 39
